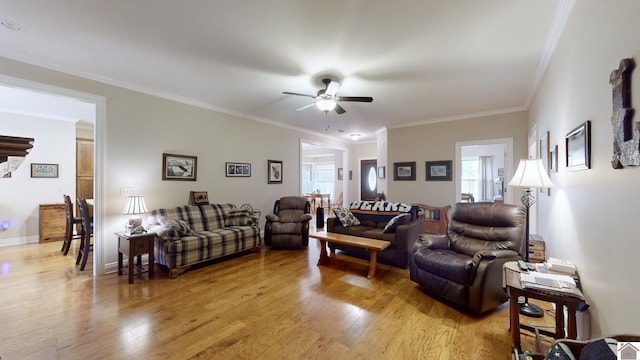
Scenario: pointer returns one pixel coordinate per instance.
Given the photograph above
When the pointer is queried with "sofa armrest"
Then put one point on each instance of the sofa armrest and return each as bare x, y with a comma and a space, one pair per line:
406, 236
272, 217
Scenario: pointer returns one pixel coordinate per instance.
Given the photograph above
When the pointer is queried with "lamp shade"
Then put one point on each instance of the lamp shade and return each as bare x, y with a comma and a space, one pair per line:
531, 174
135, 205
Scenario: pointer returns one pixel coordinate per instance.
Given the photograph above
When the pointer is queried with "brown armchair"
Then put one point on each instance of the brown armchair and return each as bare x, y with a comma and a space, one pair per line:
464, 267
288, 225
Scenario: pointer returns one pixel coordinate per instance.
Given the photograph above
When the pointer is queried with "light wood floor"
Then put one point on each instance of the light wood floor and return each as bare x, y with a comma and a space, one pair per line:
271, 305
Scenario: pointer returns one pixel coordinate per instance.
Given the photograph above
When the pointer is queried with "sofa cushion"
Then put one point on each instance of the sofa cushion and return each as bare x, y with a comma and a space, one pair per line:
395, 222
446, 264
238, 217
379, 234
213, 215
346, 217
355, 230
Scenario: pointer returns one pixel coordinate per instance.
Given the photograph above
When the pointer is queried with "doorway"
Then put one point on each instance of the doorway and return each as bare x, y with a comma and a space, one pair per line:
98, 118
483, 168
368, 179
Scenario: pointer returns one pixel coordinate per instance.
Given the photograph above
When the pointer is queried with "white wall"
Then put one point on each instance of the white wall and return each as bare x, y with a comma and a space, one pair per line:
54, 143
591, 215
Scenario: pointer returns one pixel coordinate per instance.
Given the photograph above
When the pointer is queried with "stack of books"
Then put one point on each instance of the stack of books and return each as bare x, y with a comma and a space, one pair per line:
561, 266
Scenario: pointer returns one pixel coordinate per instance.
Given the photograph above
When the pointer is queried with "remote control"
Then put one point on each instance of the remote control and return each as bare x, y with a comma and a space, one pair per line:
522, 265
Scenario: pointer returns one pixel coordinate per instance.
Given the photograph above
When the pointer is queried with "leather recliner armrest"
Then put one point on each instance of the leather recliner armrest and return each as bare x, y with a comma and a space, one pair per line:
305, 217
433, 241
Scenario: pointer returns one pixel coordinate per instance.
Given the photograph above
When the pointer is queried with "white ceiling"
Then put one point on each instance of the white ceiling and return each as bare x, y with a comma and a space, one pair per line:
421, 60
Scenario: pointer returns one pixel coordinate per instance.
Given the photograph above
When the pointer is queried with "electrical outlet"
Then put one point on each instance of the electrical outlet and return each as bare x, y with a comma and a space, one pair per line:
126, 191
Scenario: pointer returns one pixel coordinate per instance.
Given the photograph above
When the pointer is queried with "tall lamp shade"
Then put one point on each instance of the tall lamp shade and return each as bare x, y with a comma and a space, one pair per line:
529, 175
134, 206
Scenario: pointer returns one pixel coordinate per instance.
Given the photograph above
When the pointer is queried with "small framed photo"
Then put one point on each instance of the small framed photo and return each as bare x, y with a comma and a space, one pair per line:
274, 175
578, 145
237, 169
199, 198
340, 174
404, 171
545, 156
44, 170
179, 167
381, 172
438, 170
554, 158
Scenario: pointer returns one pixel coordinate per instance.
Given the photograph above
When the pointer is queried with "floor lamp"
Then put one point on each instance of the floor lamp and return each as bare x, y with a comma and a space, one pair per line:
530, 175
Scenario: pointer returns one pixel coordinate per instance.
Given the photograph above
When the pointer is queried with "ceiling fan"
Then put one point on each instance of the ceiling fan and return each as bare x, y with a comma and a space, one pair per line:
326, 99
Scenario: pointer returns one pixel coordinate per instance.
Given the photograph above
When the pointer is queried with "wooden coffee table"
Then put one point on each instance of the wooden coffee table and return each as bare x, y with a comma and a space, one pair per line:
372, 245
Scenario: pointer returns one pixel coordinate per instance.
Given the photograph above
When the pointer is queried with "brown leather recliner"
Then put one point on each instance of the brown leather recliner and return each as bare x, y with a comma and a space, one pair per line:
464, 267
288, 225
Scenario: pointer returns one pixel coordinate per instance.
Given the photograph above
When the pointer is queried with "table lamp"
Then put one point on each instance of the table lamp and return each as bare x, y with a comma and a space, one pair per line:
135, 206
530, 175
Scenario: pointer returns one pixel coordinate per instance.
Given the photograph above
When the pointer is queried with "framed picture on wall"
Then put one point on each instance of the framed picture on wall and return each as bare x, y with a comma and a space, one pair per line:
578, 145
274, 171
545, 156
438, 170
179, 167
44, 170
404, 171
237, 169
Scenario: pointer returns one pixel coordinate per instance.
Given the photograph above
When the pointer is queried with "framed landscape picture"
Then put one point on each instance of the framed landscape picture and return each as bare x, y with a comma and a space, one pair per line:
274, 171
404, 171
179, 167
438, 170
237, 169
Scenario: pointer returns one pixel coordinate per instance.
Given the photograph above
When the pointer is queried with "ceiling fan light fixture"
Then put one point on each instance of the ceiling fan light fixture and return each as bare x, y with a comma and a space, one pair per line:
355, 137
326, 104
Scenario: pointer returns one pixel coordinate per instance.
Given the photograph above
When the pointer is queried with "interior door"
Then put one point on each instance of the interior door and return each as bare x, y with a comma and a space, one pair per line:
368, 179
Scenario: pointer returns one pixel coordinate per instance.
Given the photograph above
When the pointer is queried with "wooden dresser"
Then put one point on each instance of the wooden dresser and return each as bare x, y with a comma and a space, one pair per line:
52, 222
436, 219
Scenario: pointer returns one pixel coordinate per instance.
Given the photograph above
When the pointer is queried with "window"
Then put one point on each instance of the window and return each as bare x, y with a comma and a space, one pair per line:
318, 177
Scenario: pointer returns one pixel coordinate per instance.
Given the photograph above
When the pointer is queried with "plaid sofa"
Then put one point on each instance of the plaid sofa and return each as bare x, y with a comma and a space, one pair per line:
373, 217
190, 234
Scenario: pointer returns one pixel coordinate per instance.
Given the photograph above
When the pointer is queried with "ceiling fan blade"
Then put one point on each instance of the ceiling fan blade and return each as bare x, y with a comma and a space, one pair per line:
355, 98
339, 109
305, 106
332, 88
298, 94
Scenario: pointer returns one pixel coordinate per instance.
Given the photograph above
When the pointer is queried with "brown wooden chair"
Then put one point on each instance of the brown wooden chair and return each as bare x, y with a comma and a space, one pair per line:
85, 244
71, 222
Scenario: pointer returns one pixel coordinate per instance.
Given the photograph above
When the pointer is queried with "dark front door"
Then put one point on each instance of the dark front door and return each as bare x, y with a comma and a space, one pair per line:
368, 179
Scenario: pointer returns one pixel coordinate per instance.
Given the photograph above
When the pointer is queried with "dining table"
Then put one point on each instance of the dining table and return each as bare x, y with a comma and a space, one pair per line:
315, 198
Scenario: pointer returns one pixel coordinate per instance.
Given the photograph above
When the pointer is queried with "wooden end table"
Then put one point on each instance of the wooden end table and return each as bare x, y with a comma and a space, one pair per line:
515, 289
135, 245
372, 245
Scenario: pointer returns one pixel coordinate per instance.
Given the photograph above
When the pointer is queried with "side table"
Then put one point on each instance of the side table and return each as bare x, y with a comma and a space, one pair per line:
572, 300
135, 245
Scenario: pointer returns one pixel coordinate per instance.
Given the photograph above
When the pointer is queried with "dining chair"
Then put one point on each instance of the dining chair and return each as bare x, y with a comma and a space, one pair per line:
85, 244
71, 222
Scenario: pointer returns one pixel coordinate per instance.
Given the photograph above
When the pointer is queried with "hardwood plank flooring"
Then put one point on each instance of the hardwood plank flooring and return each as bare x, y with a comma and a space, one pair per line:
275, 304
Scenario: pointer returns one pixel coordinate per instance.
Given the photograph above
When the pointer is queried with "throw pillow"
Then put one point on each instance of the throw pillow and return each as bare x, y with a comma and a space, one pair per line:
395, 222
178, 226
238, 217
346, 217
603, 349
559, 351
